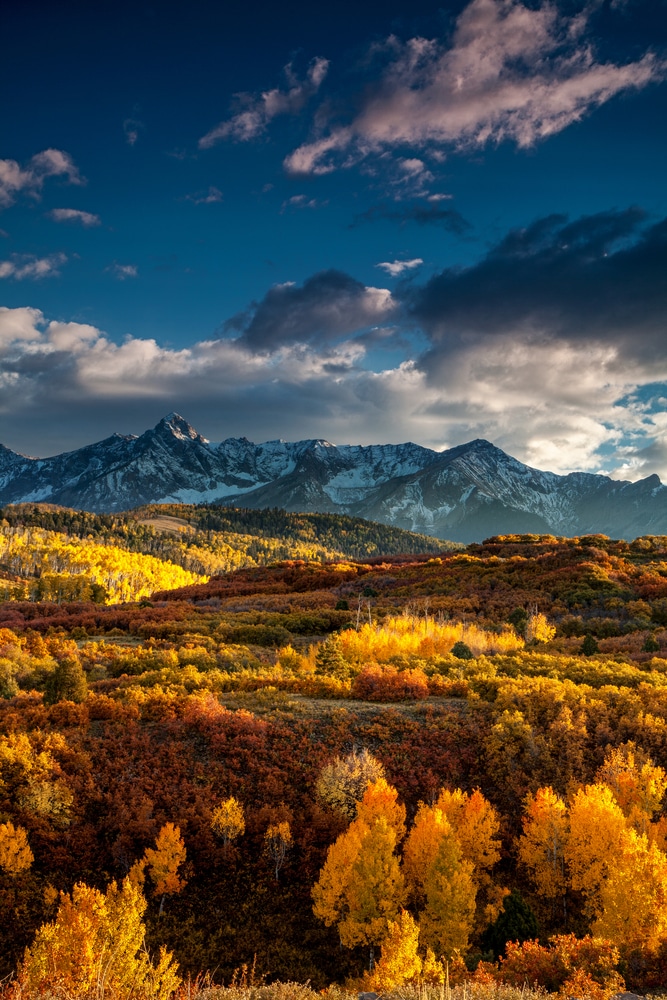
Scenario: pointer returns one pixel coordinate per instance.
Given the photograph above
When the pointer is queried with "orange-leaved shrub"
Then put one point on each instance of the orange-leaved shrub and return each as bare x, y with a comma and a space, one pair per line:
386, 683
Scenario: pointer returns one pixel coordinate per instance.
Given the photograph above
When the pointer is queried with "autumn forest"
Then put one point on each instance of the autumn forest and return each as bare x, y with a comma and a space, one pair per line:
254, 756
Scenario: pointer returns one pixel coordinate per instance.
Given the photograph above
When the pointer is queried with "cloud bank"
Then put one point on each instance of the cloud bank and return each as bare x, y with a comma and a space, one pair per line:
551, 345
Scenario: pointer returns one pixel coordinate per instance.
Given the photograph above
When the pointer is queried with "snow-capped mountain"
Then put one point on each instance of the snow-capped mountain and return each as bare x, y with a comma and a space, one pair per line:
465, 494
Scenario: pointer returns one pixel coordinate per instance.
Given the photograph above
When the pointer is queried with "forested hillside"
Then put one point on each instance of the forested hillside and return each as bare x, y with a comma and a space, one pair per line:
74, 555
442, 767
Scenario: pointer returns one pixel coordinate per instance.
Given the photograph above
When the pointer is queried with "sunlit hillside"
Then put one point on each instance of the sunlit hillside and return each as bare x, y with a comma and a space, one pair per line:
409, 775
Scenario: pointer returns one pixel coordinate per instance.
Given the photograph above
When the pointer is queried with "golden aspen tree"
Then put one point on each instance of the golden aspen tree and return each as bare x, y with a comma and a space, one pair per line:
278, 841
597, 836
421, 848
96, 943
637, 783
343, 782
538, 628
543, 842
228, 821
381, 799
164, 860
433, 971
330, 891
476, 825
633, 898
400, 962
15, 853
375, 890
447, 919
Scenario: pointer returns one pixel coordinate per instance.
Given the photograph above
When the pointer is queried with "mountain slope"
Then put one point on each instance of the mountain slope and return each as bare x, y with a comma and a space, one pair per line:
465, 494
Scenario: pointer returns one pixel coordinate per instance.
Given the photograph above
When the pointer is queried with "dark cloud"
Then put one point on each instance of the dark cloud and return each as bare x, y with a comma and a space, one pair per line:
600, 278
329, 305
421, 215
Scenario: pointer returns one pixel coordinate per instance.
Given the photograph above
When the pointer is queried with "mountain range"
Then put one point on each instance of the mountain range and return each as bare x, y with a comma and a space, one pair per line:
464, 494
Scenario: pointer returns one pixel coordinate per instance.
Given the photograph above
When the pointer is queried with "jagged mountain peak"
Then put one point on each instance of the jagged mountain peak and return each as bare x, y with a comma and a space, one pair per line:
179, 427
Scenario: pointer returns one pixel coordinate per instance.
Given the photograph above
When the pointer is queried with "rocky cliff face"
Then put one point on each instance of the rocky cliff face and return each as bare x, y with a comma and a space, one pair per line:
465, 494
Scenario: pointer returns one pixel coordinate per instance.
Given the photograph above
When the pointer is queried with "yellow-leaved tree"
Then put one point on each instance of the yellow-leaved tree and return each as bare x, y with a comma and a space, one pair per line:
15, 853
542, 845
400, 962
330, 890
421, 847
228, 821
375, 891
538, 628
164, 860
476, 825
381, 799
343, 782
360, 888
596, 841
637, 783
96, 943
447, 919
633, 897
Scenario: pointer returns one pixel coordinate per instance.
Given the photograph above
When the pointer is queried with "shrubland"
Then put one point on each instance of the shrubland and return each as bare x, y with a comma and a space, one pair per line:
418, 775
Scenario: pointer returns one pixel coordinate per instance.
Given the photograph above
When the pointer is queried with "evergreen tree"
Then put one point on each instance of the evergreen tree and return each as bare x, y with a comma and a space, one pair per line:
66, 683
516, 922
589, 646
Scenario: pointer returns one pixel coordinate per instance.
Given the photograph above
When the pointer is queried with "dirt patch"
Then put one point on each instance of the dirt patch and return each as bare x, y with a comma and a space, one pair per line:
168, 524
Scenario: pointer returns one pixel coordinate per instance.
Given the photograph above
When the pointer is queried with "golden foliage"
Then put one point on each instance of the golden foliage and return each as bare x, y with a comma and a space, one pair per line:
638, 785
330, 891
381, 799
343, 782
408, 635
538, 628
165, 859
421, 847
476, 824
97, 942
543, 842
633, 898
375, 890
447, 919
400, 962
596, 841
15, 853
66, 566
228, 821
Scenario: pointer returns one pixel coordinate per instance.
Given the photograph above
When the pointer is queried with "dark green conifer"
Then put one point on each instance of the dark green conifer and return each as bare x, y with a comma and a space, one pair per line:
66, 683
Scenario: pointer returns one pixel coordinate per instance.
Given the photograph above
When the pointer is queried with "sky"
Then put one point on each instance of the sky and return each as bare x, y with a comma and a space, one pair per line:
368, 223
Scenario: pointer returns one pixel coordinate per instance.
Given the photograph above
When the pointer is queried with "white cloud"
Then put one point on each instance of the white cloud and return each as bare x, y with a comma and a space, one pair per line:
256, 111
511, 73
396, 267
86, 219
22, 266
123, 271
210, 197
30, 179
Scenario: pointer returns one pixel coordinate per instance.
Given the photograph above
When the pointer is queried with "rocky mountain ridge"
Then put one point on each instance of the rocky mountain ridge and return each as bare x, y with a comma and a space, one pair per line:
465, 493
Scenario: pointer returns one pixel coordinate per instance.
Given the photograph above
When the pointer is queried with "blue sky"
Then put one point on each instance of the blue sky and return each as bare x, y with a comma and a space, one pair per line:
370, 223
